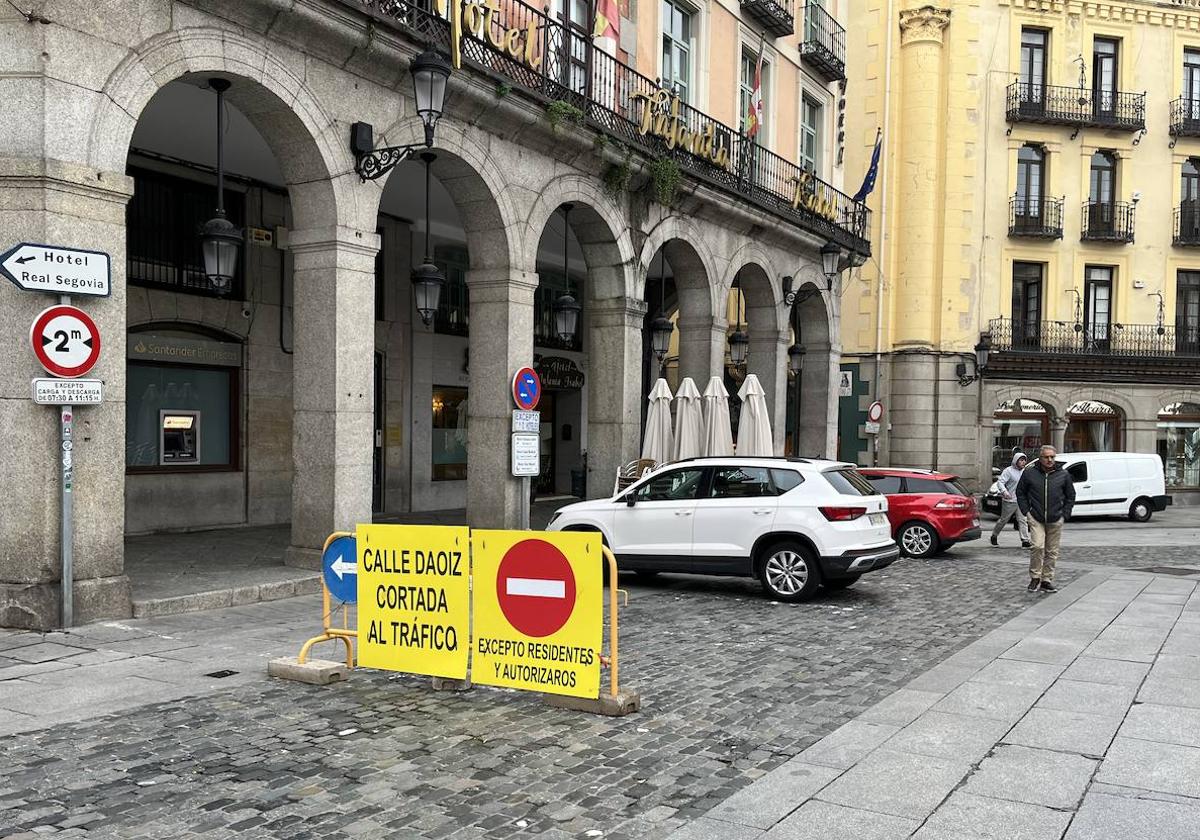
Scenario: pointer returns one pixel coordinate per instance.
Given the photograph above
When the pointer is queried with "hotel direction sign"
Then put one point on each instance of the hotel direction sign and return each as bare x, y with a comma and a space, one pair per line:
57, 270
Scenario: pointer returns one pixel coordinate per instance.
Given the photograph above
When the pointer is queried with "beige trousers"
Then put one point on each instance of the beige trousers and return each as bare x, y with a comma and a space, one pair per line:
1044, 554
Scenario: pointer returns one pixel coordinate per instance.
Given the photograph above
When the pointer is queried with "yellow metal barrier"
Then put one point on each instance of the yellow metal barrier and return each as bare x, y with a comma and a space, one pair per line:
329, 633
612, 609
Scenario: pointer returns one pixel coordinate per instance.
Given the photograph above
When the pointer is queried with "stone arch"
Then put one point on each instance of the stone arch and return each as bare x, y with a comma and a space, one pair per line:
1120, 402
689, 255
758, 277
199, 327
1049, 399
306, 140
598, 225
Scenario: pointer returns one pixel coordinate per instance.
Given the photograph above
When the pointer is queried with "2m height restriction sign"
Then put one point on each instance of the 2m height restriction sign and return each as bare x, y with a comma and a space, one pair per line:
65, 341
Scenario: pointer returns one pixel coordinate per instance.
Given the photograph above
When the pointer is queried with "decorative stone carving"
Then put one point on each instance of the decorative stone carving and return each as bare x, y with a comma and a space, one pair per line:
924, 24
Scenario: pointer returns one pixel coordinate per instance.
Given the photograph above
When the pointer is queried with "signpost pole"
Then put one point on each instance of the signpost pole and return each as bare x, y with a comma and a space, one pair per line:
525, 502
67, 506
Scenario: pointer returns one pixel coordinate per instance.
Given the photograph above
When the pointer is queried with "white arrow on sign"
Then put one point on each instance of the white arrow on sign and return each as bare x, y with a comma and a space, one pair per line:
57, 270
341, 567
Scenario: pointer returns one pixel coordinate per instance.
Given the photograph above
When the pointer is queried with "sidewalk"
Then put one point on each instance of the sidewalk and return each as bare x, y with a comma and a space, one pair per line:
1079, 719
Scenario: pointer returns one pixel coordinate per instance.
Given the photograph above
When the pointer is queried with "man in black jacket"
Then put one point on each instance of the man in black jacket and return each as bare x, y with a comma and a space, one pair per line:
1045, 495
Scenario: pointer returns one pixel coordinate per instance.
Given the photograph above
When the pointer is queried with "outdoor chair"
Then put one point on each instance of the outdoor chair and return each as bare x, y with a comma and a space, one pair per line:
631, 472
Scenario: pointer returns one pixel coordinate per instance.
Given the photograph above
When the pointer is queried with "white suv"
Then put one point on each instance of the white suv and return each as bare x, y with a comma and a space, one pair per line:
794, 523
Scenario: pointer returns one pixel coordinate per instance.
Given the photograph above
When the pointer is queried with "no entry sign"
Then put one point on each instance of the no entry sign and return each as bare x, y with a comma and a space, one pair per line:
536, 588
538, 611
65, 341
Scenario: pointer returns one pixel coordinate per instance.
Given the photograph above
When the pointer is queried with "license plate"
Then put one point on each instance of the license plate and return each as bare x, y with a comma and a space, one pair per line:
879, 519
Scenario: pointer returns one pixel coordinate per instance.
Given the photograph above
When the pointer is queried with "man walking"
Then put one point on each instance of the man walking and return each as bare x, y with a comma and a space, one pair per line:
1008, 500
1046, 495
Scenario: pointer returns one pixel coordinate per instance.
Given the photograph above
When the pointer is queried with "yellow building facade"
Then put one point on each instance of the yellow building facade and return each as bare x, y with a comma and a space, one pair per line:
1037, 198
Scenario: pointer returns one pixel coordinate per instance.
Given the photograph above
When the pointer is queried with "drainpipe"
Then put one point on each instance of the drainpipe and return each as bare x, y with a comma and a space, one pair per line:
883, 208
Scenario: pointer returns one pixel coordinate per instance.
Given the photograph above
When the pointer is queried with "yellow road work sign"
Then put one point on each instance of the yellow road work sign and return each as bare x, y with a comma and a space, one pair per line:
413, 599
538, 610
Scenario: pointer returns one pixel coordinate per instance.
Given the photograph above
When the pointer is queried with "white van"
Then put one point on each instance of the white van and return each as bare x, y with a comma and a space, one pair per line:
1122, 483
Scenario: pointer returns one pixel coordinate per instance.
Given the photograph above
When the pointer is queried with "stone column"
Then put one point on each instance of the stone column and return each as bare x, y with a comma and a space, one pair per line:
56, 203
818, 401
919, 225
701, 347
333, 385
1140, 434
1058, 433
501, 342
614, 392
768, 360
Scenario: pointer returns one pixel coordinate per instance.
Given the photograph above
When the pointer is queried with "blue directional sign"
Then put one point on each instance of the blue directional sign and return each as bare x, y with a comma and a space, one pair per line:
526, 389
339, 565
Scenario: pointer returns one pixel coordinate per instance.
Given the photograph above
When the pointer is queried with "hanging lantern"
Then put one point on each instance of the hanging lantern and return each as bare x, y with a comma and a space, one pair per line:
796, 358
427, 281
739, 347
566, 317
661, 329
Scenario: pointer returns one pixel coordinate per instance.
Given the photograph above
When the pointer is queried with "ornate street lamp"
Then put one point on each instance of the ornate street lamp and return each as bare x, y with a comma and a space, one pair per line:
220, 239
796, 358
427, 278
430, 71
739, 342
566, 308
661, 327
831, 255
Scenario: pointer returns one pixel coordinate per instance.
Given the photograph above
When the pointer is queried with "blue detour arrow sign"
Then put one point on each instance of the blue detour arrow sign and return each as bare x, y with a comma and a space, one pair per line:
339, 566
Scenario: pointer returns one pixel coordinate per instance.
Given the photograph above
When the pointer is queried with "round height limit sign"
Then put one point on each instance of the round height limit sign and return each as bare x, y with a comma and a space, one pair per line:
65, 341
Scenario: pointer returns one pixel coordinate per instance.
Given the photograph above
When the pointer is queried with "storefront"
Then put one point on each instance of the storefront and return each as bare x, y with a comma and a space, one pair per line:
1179, 444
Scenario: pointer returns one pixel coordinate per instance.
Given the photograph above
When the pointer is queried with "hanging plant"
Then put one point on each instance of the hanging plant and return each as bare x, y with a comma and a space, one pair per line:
558, 112
503, 90
617, 176
664, 179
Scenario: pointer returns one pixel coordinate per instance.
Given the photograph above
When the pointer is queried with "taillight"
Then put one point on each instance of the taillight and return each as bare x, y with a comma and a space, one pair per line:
955, 503
842, 514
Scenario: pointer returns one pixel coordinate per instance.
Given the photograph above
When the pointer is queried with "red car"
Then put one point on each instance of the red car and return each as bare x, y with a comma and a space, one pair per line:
928, 511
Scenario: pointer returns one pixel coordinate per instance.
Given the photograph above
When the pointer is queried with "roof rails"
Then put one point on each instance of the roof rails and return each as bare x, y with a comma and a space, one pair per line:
789, 458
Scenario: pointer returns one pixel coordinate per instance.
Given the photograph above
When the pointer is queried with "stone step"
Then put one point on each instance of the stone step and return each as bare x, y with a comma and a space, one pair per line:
302, 584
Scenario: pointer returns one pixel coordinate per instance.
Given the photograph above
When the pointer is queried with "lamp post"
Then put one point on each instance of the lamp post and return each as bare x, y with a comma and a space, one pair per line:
220, 239
982, 351
661, 328
739, 342
430, 72
796, 366
566, 308
427, 278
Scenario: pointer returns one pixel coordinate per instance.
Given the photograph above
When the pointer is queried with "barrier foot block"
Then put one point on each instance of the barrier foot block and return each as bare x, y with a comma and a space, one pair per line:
313, 672
447, 684
626, 702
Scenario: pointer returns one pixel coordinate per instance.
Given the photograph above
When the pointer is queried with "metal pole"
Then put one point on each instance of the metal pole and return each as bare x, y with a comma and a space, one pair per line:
525, 489
220, 86
68, 478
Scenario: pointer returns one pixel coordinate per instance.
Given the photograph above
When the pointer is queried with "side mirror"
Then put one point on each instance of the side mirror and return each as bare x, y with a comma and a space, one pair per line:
630, 500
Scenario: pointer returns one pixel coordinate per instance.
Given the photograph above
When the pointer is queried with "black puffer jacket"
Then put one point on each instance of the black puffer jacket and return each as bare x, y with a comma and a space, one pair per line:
1046, 496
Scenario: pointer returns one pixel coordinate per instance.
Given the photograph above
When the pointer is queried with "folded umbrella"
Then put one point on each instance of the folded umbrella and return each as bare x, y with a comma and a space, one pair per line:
754, 426
689, 421
718, 436
658, 441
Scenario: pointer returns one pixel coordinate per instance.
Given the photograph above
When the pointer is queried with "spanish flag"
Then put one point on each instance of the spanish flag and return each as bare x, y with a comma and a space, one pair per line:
754, 116
608, 20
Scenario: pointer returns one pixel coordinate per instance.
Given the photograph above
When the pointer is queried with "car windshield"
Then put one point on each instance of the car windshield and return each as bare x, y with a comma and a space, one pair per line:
850, 483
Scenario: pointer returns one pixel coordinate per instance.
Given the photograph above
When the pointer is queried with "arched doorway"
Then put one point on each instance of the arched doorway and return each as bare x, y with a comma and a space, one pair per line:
1093, 426
1019, 425
1179, 444
811, 408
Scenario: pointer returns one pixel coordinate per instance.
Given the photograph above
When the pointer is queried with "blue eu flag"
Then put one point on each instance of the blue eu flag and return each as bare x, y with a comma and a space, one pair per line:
868, 183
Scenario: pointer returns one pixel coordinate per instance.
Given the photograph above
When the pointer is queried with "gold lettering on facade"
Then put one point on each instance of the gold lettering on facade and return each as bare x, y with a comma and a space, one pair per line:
661, 118
812, 197
481, 19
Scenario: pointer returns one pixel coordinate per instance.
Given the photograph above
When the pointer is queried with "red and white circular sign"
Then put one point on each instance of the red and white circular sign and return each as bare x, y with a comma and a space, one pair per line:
65, 341
875, 412
536, 588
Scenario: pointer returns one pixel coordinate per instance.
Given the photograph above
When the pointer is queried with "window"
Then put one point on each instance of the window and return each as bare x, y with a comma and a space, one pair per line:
934, 485
850, 483
1179, 444
1033, 61
1104, 75
161, 224
746, 90
812, 20
741, 483
885, 483
1026, 304
1078, 472
180, 417
810, 134
1102, 193
672, 486
786, 480
1097, 305
1031, 171
454, 303
1191, 84
1189, 199
1187, 312
575, 45
677, 24
449, 439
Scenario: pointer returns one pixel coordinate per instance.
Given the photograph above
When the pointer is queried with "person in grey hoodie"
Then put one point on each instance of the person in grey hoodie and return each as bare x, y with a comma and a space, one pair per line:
1008, 500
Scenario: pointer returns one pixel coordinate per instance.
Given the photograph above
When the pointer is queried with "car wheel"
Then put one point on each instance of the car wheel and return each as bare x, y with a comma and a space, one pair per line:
842, 583
1141, 510
918, 540
789, 572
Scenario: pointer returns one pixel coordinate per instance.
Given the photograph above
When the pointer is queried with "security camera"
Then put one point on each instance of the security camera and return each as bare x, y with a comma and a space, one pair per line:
1137, 196
246, 313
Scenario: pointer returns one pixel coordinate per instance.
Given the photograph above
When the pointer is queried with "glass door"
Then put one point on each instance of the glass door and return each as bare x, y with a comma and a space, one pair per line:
1027, 305
1187, 313
1104, 77
576, 55
1032, 88
1101, 192
545, 479
1097, 307
1030, 184
1191, 85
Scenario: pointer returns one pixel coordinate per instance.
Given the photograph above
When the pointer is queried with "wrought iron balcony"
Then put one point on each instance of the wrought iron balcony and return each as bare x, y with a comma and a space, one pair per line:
1066, 338
775, 16
1079, 107
553, 63
1185, 118
1187, 224
1040, 218
1107, 221
823, 43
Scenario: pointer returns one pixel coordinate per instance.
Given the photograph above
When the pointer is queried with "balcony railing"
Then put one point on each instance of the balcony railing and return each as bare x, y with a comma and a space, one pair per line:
1187, 224
1080, 107
561, 64
1041, 218
1107, 221
1185, 118
775, 16
823, 43
1064, 338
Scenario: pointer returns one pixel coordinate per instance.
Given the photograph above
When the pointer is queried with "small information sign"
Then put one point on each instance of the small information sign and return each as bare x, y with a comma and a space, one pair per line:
68, 391
871, 427
526, 421
526, 454
413, 598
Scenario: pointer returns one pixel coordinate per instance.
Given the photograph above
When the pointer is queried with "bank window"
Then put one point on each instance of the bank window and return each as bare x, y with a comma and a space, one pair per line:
449, 433
678, 22
810, 134
180, 417
746, 91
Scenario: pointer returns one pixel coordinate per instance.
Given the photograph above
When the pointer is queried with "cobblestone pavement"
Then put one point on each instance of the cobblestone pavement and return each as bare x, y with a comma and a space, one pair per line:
733, 685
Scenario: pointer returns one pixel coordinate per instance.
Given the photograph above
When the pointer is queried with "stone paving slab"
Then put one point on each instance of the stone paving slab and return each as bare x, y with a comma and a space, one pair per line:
1105, 817
1165, 768
896, 783
1064, 731
816, 820
1034, 776
1166, 724
969, 817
